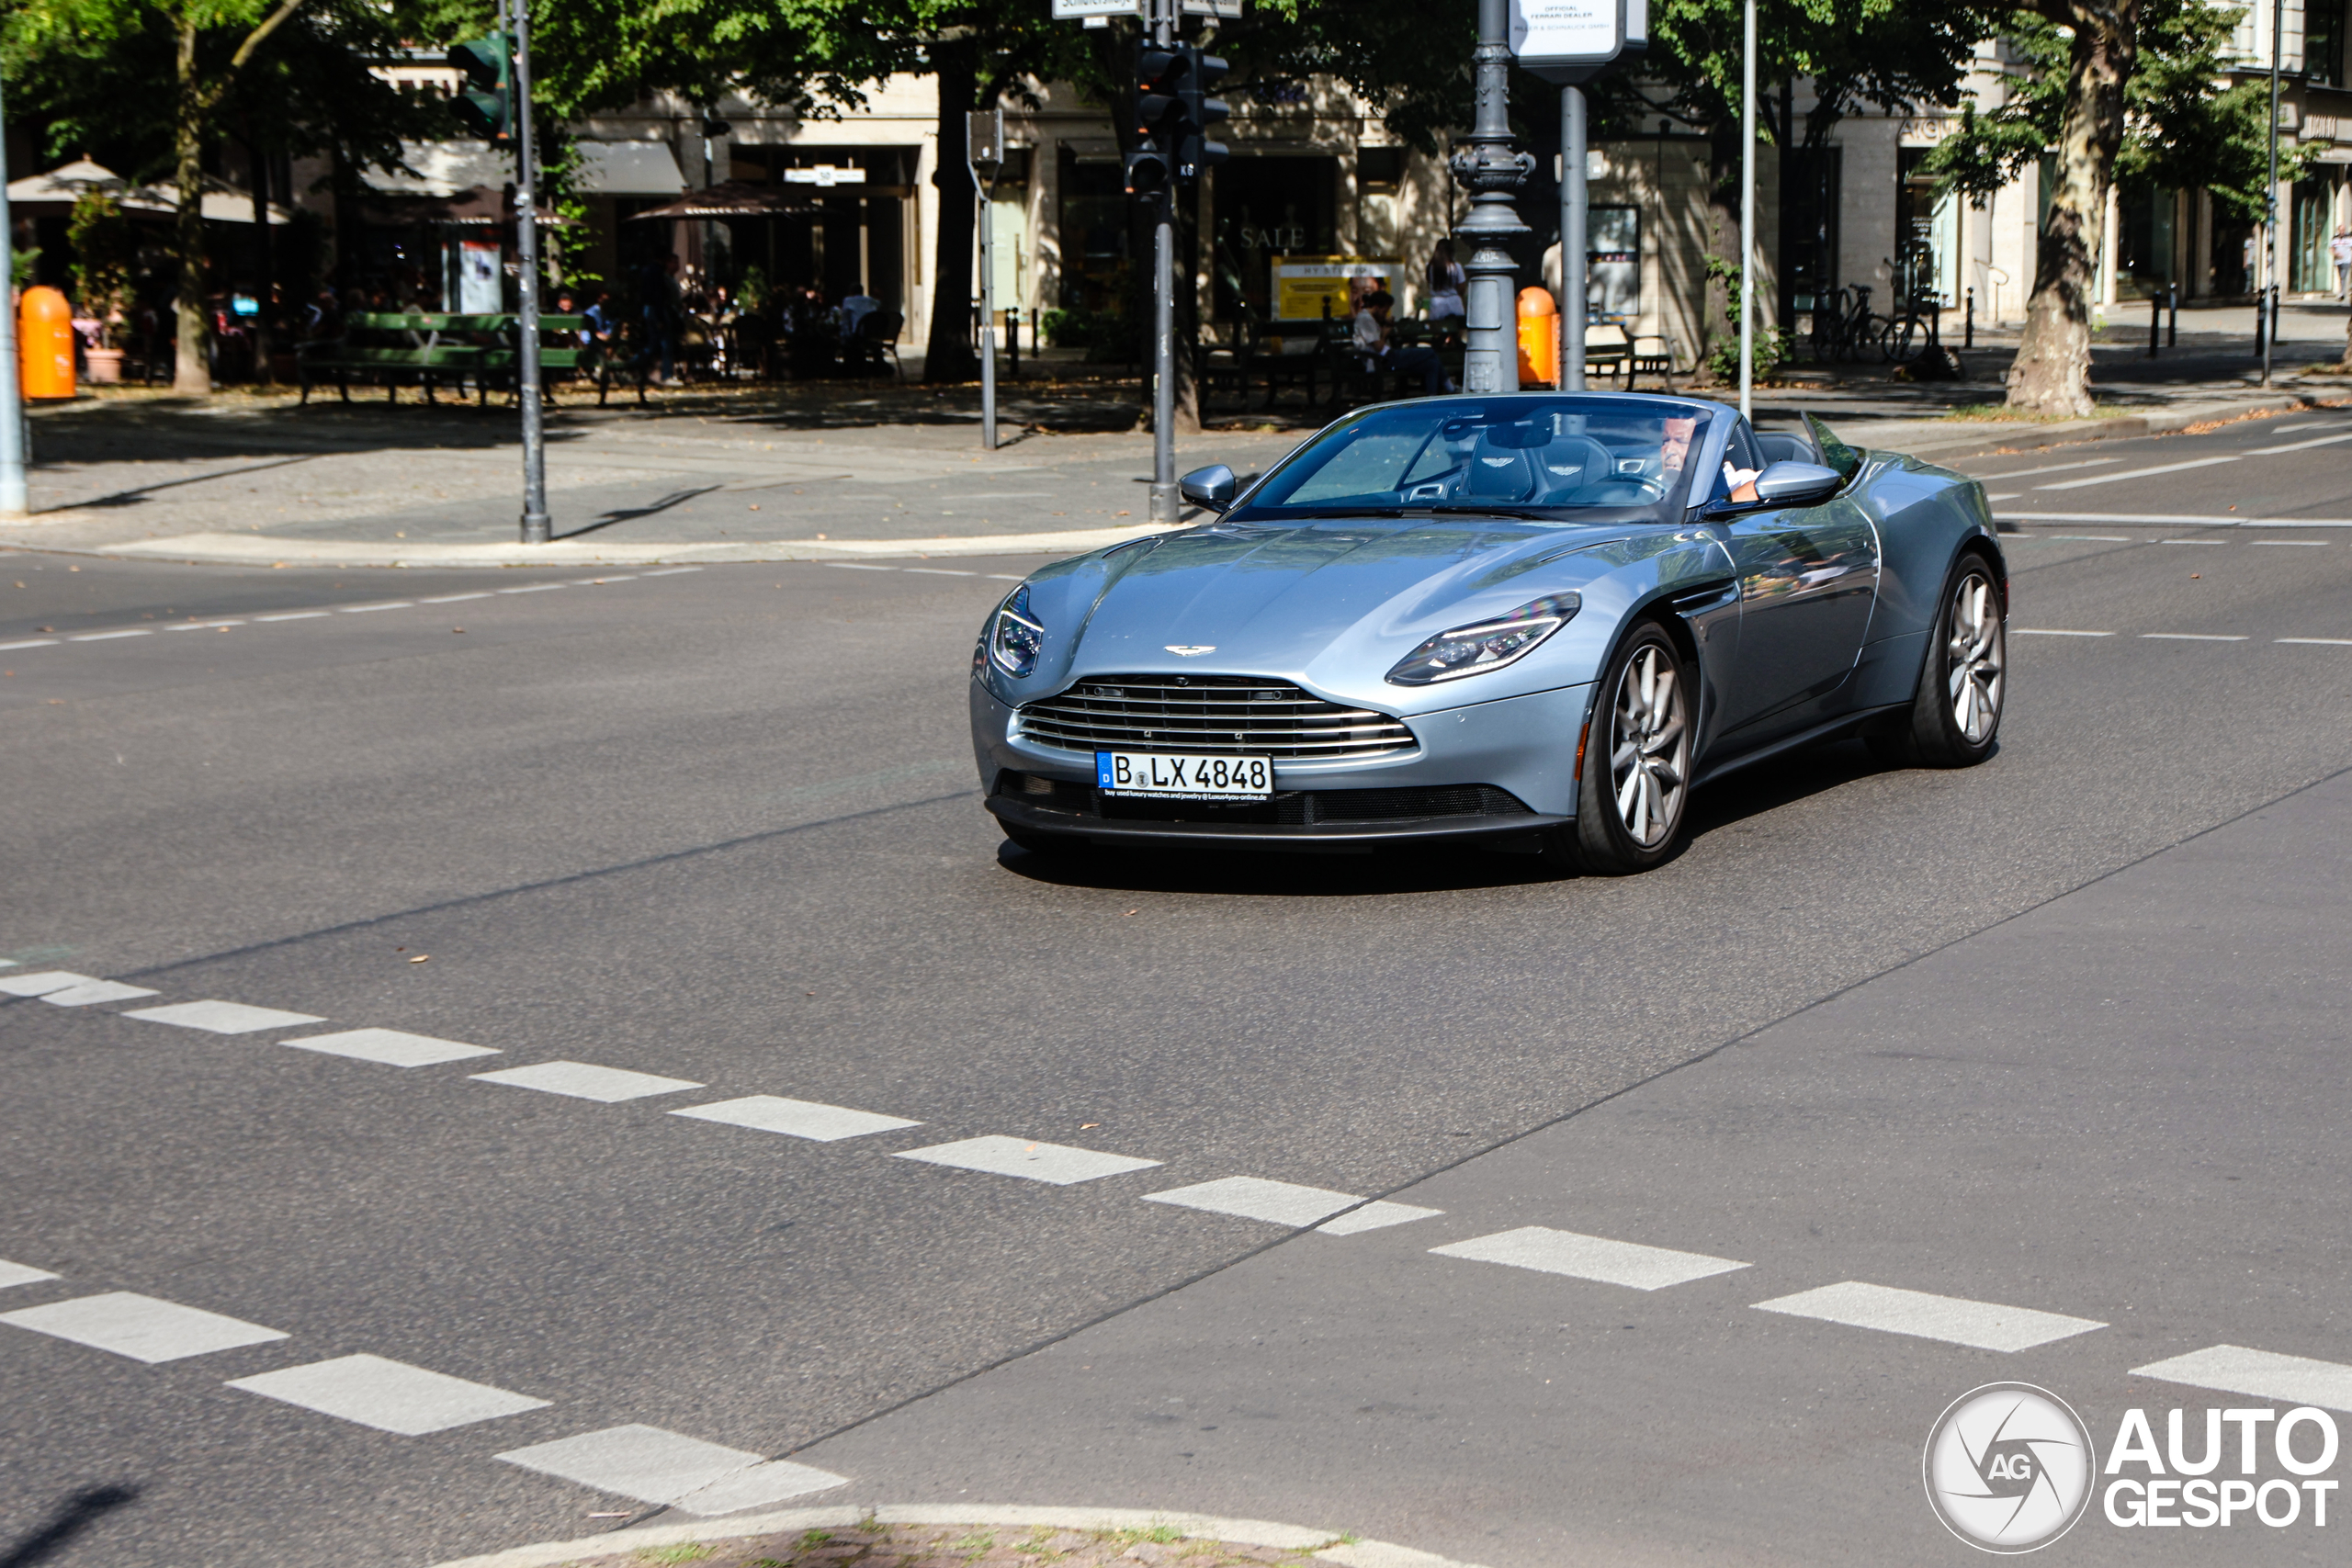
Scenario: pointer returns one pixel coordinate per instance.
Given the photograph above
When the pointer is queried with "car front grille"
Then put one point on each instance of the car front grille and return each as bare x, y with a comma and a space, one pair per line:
1194, 712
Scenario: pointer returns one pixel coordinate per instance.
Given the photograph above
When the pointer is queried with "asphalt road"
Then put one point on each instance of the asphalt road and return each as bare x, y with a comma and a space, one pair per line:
2001, 1035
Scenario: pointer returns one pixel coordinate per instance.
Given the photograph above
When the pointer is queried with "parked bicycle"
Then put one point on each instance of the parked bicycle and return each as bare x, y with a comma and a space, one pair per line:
1843, 325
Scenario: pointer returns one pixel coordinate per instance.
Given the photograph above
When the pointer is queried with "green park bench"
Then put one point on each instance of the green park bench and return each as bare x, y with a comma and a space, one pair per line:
427, 349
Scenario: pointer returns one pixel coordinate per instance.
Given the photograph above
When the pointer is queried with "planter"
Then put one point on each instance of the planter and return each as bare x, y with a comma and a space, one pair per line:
104, 367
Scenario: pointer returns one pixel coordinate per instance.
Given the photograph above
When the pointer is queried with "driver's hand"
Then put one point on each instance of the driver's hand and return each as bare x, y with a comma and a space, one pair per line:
1742, 481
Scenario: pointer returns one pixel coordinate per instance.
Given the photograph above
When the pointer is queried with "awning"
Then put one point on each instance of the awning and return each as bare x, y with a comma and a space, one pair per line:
443, 169
628, 168
736, 198
54, 193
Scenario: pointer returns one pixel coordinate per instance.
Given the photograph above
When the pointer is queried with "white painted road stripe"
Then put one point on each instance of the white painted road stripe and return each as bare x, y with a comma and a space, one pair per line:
2173, 520
30, 642
1030, 1160
937, 572
1253, 1197
1591, 1257
795, 1118
2233, 1368
96, 991
390, 1396
392, 1047
108, 636
2052, 631
1982, 1325
223, 1018
19, 1274
858, 565
455, 598
2299, 445
202, 626
1376, 1216
2051, 468
2136, 473
2292, 544
655, 1466
45, 981
2190, 637
364, 609
583, 1080
294, 615
2094, 538
140, 1327
2223, 543
2317, 641
533, 588
669, 571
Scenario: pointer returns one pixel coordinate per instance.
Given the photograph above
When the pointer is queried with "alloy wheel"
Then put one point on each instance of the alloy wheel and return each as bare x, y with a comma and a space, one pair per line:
1649, 754
1975, 658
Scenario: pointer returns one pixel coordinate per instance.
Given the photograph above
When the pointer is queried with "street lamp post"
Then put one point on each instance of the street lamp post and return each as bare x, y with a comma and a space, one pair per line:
1494, 173
2269, 299
1747, 216
13, 500
527, 246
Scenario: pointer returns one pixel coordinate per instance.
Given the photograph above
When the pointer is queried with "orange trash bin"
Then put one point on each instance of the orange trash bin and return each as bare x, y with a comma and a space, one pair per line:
1539, 338
45, 344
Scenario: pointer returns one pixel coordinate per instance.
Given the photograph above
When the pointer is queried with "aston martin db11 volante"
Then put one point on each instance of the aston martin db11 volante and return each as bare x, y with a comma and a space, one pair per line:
1538, 621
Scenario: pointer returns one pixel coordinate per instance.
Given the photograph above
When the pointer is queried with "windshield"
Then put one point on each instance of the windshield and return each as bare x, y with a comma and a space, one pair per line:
1573, 457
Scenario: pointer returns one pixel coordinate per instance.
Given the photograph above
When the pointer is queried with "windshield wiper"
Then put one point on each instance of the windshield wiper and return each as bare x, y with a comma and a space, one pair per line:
1524, 514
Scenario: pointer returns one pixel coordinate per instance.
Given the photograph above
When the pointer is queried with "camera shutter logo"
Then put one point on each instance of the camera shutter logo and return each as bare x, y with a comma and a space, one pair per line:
2010, 1467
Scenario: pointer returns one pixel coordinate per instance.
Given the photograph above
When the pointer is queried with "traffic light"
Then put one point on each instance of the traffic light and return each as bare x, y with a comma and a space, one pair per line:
1159, 120
1195, 151
488, 111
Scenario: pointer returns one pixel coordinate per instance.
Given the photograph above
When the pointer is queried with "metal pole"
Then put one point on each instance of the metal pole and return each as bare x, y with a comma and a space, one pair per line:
1747, 217
13, 500
1574, 198
987, 315
535, 456
1166, 505
1494, 173
2270, 191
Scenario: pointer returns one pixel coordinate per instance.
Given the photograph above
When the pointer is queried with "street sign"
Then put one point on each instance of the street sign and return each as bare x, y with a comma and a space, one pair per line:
825, 175
1083, 10
1567, 41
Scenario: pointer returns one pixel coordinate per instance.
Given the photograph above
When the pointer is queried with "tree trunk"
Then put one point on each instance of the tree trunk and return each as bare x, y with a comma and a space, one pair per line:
193, 374
948, 355
1723, 235
2051, 375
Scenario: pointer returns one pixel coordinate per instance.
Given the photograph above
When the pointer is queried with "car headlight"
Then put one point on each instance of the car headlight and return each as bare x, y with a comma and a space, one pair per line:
1015, 636
1489, 644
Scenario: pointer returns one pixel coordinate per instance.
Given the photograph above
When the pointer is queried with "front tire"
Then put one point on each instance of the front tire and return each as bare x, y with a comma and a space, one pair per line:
1636, 774
1955, 719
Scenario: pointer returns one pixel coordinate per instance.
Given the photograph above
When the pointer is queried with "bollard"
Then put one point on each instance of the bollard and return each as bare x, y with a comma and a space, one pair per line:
1538, 337
2172, 315
2155, 321
1012, 340
1968, 323
45, 344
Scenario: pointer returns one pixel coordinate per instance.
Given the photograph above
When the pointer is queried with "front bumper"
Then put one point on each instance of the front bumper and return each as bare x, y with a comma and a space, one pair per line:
1521, 748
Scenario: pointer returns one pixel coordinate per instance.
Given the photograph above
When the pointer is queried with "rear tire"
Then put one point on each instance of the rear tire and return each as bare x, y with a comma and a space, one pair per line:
1636, 774
1955, 718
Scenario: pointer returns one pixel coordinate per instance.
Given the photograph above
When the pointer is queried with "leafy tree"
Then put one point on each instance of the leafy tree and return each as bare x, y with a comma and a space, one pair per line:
2122, 89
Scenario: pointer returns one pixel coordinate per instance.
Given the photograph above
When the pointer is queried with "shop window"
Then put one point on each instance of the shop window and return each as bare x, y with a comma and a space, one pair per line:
1810, 178
1380, 168
1268, 208
2309, 269
2324, 42
1927, 233
1613, 278
2143, 241
1095, 233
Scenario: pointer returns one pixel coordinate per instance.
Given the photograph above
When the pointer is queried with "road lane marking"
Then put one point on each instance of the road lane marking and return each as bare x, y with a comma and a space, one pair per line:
2094, 538
669, 571
456, 598
223, 1018
533, 588
202, 626
1376, 1216
2222, 542
392, 1047
109, 637
2049, 468
2233, 1368
1985, 1325
141, 1327
795, 1118
96, 991
858, 565
2173, 520
584, 1080
936, 572
655, 1466
390, 1396
2052, 631
295, 615
44, 982
30, 642
1254, 1198
2006, 495
2317, 641
21, 1274
1589, 1257
2137, 473
1055, 1163
2190, 637
2293, 544
367, 609
2299, 445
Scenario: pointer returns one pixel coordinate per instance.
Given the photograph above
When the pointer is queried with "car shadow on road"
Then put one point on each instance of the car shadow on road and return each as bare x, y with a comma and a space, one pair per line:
1768, 786
70, 1518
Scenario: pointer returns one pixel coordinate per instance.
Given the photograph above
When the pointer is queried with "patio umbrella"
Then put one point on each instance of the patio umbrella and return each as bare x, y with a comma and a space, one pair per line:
734, 199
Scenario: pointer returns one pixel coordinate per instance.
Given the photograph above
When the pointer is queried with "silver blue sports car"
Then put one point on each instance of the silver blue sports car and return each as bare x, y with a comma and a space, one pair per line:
1535, 620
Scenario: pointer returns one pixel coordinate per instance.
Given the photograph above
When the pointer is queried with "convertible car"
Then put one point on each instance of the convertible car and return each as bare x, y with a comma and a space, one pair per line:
1536, 621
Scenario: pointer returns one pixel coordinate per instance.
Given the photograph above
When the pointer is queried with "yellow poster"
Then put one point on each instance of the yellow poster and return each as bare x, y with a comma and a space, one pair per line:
1303, 283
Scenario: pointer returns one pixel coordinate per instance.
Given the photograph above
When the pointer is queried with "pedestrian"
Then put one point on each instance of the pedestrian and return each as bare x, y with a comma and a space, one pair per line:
666, 312
1446, 281
1370, 339
2339, 251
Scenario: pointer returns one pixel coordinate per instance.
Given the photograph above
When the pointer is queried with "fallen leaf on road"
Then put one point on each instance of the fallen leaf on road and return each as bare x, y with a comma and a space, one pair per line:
420, 958
458, 630
1082, 1126
1130, 912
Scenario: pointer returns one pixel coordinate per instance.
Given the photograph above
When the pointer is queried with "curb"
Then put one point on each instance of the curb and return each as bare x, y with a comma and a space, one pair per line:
1206, 1526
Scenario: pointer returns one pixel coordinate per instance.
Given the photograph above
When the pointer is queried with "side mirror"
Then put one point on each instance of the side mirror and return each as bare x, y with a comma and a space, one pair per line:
1789, 482
1211, 487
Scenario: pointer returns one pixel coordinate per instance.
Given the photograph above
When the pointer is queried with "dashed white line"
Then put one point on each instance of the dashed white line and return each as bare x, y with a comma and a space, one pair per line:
296, 616
96, 991
202, 626
1006, 577
42, 982
1032, 1161
108, 636
584, 1080
2137, 473
533, 588
21, 1274
937, 572
392, 1047
1984, 1326
2189, 636
365, 609
2317, 641
456, 598
2006, 495
2223, 543
655, 1466
2291, 544
2051, 468
795, 1118
223, 1018
2299, 445
1597, 1257
669, 571
2094, 538
2052, 631
28, 642
2233, 1368
390, 1396
1254, 1198
858, 565
1373, 1217
141, 1327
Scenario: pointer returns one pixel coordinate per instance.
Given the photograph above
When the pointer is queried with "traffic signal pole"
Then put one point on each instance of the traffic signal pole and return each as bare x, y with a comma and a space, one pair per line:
1165, 505
14, 502
527, 202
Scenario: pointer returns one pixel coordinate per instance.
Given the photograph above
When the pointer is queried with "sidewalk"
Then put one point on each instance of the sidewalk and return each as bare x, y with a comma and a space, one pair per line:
865, 469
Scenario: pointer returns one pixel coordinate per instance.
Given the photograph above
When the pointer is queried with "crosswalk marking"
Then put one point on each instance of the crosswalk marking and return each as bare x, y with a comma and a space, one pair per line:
1254, 1198
94, 992
1376, 1216
1983, 1324
141, 1327
655, 1466
44, 982
2264, 1374
1589, 1257
21, 1274
223, 1018
390, 1396
583, 1081
393, 1047
795, 1118
1030, 1160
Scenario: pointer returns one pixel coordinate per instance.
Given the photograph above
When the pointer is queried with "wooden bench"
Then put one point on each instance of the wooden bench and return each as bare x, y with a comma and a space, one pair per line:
427, 349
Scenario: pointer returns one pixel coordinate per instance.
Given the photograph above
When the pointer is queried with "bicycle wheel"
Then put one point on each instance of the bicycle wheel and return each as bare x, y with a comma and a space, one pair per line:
1905, 339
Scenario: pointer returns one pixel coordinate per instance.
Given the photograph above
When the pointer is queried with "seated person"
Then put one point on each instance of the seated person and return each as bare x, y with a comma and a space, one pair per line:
1371, 340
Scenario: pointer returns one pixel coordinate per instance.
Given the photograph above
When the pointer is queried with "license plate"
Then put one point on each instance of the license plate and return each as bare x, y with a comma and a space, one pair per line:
1163, 775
